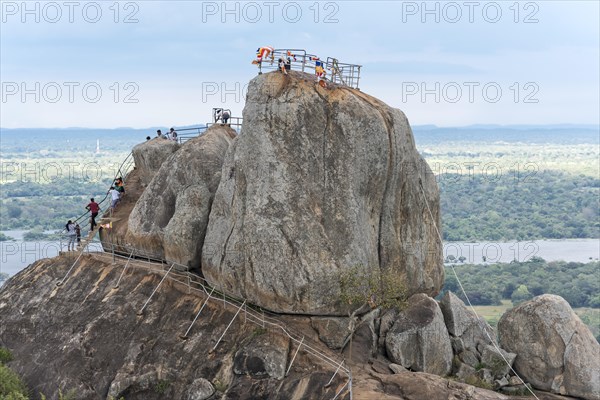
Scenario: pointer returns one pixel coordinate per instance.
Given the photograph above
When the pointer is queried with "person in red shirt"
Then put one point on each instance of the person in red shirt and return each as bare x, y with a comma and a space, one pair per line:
94, 208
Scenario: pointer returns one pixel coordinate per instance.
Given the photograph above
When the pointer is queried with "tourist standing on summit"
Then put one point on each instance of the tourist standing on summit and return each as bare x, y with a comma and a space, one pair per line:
94, 208
222, 115
281, 63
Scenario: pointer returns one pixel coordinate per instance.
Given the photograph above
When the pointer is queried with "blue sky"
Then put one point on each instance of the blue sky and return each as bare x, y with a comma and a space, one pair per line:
443, 63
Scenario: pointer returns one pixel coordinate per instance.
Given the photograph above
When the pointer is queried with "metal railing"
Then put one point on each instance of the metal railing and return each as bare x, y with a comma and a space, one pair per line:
346, 74
234, 123
185, 134
179, 273
341, 73
122, 172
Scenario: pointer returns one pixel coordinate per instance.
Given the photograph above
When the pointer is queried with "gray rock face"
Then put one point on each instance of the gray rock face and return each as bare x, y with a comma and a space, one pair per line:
555, 350
467, 330
333, 331
319, 181
169, 219
91, 330
150, 155
419, 340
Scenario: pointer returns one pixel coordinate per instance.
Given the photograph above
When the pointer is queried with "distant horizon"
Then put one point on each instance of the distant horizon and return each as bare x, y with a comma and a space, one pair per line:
416, 126
151, 63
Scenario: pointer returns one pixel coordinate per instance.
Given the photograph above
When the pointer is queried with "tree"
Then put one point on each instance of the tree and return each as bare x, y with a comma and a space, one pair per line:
13, 211
520, 295
508, 290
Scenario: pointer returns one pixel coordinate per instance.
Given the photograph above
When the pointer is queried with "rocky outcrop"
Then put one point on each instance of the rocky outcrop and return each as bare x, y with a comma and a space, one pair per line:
555, 350
87, 337
169, 220
418, 339
150, 155
419, 386
469, 333
319, 181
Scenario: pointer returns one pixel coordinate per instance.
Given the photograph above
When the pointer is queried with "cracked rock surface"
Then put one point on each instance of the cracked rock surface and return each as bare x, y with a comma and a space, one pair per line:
320, 180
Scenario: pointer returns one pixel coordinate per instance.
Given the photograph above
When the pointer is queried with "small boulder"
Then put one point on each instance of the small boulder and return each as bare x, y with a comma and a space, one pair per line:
419, 340
200, 389
501, 382
464, 371
556, 350
469, 332
264, 355
515, 381
397, 369
486, 375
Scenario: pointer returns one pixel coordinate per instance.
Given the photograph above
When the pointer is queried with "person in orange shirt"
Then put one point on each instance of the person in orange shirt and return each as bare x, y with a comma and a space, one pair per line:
263, 53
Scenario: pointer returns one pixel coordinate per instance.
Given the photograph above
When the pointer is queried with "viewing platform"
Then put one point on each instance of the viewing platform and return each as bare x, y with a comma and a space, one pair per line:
299, 60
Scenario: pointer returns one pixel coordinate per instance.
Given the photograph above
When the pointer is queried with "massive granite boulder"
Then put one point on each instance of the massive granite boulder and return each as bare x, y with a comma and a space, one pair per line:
555, 350
149, 156
169, 219
319, 181
418, 339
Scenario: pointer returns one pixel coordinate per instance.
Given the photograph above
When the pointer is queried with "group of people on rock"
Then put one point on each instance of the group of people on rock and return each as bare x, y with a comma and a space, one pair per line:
171, 135
116, 191
285, 62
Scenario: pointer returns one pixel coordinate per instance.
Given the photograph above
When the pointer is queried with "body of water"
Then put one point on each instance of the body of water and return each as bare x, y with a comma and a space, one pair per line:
570, 250
18, 254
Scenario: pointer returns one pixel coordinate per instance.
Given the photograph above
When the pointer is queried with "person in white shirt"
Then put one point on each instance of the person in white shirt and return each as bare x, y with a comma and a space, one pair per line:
173, 134
115, 196
72, 234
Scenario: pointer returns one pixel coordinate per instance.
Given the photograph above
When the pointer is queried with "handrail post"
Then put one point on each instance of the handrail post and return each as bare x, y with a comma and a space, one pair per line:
123, 272
185, 335
334, 374
155, 289
349, 384
226, 329
60, 283
293, 358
